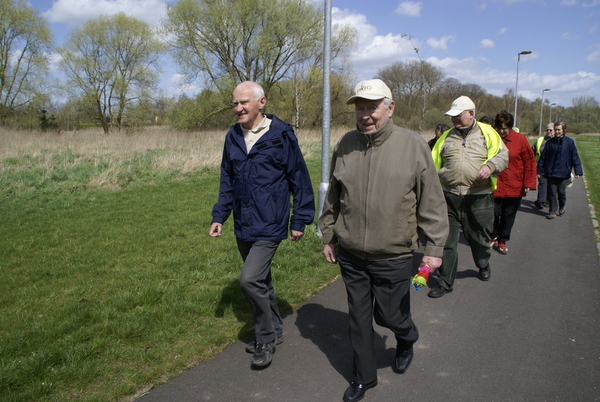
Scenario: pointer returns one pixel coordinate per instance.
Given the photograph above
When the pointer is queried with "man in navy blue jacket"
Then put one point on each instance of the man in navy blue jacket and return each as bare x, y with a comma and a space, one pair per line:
262, 165
558, 160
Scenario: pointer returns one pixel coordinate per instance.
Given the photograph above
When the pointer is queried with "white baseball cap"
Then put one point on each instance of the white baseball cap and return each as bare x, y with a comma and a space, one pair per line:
459, 105
370, 89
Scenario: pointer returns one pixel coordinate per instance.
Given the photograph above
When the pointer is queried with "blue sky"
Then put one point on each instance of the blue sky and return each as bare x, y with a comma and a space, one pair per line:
474, 41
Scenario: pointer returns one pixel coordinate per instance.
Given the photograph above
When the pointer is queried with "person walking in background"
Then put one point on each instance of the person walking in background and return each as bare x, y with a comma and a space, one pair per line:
466, 157
514, 182
538, 147
262, 166
558, 161
439, 130
487, 120
383, 191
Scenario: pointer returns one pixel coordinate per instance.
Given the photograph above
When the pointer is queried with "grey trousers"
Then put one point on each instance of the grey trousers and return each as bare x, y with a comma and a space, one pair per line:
257, 286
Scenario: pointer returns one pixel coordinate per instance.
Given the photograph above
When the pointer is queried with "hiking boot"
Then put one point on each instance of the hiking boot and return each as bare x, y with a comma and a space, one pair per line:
502, 249
251, 346
263, 355
561, 212
550, 216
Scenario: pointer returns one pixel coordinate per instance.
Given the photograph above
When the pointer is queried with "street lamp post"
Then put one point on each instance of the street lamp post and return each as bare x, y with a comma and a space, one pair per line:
517, 84
542, 111
550, 118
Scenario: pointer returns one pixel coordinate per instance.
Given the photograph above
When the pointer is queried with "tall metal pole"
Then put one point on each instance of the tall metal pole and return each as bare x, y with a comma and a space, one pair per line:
517, 84
550, 118
541, 112
326, 108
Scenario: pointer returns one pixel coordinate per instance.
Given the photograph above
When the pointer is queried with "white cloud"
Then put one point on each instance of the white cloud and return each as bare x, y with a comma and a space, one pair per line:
409, 9
502, 31
567, 36
486, 44
440, 44
75, 12
593, 57
373, 51
594, 3
569, 2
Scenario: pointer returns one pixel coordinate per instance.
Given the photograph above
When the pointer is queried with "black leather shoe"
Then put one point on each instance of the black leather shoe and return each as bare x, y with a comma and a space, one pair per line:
438, 291
484, 273
356, 392
403, 359
538, 205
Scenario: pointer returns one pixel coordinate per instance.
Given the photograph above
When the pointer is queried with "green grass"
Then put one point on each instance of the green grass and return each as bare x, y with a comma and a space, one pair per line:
589, 148
105, 292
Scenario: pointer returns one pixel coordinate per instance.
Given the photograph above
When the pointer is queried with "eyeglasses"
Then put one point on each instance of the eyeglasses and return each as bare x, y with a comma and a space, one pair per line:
549, 129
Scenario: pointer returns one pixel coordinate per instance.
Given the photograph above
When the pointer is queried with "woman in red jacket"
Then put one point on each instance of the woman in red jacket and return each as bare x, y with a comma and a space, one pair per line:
513, 183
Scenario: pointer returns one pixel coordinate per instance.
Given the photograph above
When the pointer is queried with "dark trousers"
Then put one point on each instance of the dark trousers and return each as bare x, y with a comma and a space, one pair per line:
474, 214
557, 193
257, 286
542, 190
380, 290
505, 212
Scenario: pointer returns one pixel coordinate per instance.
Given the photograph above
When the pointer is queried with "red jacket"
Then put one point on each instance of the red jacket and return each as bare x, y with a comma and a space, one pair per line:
521, 170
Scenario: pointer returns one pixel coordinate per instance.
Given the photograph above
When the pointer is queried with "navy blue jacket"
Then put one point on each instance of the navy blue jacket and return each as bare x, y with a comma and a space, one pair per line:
257, 185
559, 158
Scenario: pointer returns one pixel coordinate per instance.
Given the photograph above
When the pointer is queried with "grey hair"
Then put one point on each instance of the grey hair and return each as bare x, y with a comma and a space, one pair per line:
387, 102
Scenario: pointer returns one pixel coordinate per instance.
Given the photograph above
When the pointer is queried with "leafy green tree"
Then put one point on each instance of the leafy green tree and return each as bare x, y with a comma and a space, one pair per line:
25, 43
584, 116
229, 41
113, 62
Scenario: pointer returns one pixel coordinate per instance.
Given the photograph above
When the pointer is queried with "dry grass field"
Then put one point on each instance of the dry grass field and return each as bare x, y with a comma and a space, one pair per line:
110, 158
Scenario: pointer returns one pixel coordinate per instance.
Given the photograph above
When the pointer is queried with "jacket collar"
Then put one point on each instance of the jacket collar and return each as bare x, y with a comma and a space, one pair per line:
377, 137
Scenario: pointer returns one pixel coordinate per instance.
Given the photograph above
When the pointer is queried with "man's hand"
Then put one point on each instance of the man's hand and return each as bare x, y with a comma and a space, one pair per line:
433, 262
296, 235
215, 229
484, 173
329, 253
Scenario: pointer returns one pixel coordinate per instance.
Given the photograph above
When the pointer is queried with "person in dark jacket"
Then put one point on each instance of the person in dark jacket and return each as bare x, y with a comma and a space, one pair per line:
262, 165
559, 159
538, 148
514, 182
439, 130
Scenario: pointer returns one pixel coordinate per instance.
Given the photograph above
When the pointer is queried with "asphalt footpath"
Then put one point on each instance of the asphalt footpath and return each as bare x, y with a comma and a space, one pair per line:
532, 333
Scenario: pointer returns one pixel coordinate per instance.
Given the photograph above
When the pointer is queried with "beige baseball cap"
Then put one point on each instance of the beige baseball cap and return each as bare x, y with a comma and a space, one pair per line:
370, 89
459, 105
